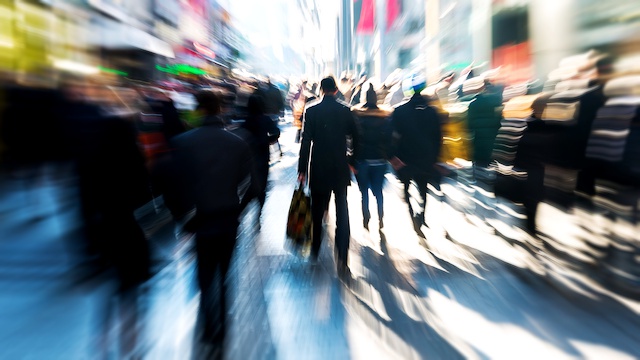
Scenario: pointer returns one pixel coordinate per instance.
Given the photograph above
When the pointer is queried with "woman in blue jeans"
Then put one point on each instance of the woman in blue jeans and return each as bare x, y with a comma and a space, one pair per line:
371, 166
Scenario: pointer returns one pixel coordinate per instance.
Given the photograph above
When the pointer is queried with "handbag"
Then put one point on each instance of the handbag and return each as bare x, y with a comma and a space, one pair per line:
299, 222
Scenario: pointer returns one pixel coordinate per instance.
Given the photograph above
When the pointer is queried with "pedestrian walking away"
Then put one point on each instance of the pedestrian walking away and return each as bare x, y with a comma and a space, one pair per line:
371, 164
416, 142
328, 123
216, 168
264, 132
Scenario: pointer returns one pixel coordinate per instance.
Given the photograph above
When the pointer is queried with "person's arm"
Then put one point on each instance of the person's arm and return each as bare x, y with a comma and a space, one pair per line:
396, 137
279, 101
437, 134
305, 148
355, 133
387, 132
273, 131
248, 185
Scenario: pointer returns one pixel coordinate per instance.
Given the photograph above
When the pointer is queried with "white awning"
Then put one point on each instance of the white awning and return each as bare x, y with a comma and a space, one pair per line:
115, 35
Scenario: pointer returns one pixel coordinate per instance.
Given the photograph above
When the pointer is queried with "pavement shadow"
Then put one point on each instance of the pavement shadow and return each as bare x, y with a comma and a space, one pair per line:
564, 321
380, 299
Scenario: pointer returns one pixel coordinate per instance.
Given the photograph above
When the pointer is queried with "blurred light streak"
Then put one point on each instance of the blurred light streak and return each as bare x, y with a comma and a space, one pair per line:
7, 44
448, 10
75, 67
112, 71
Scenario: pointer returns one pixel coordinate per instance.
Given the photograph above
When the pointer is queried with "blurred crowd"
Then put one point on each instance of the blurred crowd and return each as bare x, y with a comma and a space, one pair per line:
124, 144
206, 146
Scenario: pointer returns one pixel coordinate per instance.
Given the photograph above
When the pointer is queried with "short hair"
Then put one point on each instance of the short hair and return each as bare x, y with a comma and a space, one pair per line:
209, 101
328, 85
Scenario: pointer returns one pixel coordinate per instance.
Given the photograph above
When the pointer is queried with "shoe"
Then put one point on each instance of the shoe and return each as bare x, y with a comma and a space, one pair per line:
365, 223
342, 269
380, 224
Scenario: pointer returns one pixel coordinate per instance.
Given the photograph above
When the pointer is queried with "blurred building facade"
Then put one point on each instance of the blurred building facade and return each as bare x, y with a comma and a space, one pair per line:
527, 38
136, 39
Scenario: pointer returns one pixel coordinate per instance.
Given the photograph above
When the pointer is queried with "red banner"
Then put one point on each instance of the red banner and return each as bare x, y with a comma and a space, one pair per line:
394, 8
367, 16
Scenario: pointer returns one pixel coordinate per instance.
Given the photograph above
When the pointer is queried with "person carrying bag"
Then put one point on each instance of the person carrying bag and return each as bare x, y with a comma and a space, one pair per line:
299, 222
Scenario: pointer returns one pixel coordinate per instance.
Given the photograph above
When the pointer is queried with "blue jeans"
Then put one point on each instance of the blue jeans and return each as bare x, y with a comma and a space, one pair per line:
371, 177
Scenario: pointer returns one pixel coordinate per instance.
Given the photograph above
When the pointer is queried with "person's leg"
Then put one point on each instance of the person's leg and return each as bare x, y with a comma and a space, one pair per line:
422, 185
207, 265
377, 182
224, 252
364, 182
319, 204
343, 232
405, 177
263, 178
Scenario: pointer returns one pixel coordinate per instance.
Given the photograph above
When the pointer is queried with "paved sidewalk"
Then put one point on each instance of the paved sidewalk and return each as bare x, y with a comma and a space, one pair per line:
475, 293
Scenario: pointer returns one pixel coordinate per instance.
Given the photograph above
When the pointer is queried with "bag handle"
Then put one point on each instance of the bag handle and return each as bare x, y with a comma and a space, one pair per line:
303, 184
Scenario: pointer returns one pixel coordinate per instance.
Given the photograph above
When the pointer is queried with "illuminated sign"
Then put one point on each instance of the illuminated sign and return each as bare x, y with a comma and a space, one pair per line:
181, 69
204, 50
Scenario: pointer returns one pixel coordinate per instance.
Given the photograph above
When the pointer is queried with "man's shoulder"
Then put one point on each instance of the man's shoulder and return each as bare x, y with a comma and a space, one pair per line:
313, 105
343, 104
402, 105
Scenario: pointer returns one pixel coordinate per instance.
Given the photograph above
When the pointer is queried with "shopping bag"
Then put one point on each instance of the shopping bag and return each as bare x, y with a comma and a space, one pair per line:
299, 222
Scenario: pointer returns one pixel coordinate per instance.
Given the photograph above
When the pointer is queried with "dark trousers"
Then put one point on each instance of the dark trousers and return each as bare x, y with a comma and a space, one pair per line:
371, 177
319, 205
421, 178
214, 250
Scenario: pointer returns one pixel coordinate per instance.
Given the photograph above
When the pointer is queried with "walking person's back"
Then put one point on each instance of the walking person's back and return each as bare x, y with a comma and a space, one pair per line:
327, 125
371, 163
263, 132
216, 168
417, 138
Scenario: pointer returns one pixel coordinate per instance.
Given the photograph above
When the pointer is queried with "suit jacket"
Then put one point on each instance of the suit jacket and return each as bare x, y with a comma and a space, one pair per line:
328, 123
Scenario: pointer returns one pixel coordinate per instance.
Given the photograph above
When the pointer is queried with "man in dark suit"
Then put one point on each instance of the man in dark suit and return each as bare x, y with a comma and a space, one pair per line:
328, 123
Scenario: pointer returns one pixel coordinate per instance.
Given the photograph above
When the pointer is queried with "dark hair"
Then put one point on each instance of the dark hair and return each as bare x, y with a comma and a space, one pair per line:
255, 105
372, 98
328, 85
209, 101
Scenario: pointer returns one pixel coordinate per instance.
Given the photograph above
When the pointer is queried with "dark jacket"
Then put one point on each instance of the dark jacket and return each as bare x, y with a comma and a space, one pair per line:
112, 175
171, 123
215, 167
417, 136
264, 132
273, 100
375, 130
327, 124
484, 121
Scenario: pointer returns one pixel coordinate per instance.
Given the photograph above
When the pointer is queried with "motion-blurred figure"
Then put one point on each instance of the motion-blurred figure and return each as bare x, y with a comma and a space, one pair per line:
297, 105
273, 104
31, 129
327, 125
417, 138
264, 132
216, 169
113, 182
372, 158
